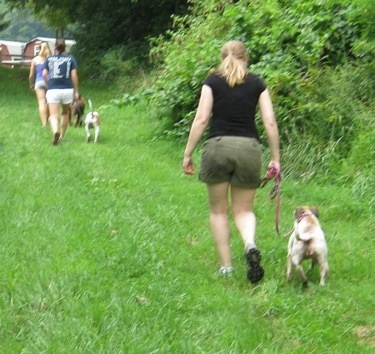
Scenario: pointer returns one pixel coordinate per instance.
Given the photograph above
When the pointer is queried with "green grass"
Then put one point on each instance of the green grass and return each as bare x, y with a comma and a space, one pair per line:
106, 249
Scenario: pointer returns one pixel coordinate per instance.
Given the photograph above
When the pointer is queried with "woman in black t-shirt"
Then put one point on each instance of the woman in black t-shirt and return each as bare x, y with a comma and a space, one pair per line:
231, 157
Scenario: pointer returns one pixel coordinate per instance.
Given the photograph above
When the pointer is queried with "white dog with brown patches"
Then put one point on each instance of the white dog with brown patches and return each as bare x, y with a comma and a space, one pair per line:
307, 241
92, 120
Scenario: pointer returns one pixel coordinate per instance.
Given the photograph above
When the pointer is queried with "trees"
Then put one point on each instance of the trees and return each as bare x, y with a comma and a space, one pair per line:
22, 25
99, 26
3, 21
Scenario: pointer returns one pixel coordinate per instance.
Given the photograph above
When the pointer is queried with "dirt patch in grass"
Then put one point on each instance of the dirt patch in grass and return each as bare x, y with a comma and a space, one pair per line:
365, 335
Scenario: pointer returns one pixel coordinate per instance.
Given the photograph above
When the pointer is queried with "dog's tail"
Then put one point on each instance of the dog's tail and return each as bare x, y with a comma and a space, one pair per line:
90, 105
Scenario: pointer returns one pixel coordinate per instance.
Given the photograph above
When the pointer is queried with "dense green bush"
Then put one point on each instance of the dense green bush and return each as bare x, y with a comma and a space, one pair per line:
311, 55
113, 64
287, 44
358, 168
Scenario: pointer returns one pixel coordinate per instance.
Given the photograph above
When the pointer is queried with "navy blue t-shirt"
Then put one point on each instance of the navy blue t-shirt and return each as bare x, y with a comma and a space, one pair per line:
234, 108
59, 67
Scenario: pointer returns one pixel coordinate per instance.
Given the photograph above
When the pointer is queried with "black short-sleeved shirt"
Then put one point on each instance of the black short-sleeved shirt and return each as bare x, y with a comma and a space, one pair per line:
233, 112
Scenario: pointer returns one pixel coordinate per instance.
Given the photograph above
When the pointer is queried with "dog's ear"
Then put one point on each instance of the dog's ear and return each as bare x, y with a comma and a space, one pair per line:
298, 212
314, 210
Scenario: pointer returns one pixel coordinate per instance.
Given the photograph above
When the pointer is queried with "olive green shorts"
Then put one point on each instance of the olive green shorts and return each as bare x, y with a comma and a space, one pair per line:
237, 160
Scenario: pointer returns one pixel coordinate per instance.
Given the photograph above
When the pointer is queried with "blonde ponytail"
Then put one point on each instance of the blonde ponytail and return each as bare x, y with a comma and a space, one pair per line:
44, 50
234, 62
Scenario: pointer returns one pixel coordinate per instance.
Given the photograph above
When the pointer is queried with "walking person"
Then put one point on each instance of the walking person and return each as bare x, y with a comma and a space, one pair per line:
60, 71
231, 157
37, 82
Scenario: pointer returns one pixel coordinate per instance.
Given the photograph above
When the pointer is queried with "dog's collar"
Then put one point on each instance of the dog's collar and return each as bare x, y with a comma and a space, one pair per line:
302, 216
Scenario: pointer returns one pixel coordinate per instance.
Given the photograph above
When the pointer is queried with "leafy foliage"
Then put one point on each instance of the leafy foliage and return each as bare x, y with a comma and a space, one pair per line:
308, 54
4, 22
21, 25
101, 26
287, 45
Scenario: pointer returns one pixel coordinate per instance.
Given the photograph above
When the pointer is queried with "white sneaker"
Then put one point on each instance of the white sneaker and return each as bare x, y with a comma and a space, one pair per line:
226, 270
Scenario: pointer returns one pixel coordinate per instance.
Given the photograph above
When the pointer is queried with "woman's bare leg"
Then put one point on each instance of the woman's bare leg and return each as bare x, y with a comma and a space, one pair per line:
218, 203
64, 119
244, 217
54, 121
42, 106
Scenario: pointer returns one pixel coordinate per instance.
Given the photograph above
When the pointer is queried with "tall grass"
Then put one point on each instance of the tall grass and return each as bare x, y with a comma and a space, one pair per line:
106, 249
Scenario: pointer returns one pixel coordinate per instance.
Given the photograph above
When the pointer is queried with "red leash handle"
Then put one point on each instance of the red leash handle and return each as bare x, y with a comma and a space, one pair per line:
278, 202
274, 173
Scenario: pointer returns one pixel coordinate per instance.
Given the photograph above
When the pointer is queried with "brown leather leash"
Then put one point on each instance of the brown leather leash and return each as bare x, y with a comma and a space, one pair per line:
273, 173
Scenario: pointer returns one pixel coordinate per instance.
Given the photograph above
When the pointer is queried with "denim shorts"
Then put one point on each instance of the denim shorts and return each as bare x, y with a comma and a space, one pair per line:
237, 160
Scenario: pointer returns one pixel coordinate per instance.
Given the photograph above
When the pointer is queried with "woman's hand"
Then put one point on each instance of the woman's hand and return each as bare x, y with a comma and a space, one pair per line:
273, 169
187, 165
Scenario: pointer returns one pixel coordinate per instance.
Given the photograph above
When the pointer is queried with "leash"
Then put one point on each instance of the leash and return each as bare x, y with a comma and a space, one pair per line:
273, 173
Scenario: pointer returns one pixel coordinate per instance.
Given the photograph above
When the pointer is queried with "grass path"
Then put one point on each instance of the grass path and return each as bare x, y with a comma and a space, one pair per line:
106, 249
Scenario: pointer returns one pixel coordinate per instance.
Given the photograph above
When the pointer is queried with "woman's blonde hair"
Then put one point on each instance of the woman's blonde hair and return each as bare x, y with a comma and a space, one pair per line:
44, 51
234, 62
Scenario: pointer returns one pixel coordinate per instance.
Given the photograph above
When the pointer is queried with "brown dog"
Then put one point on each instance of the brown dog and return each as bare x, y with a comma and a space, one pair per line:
307, 241
76, 111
